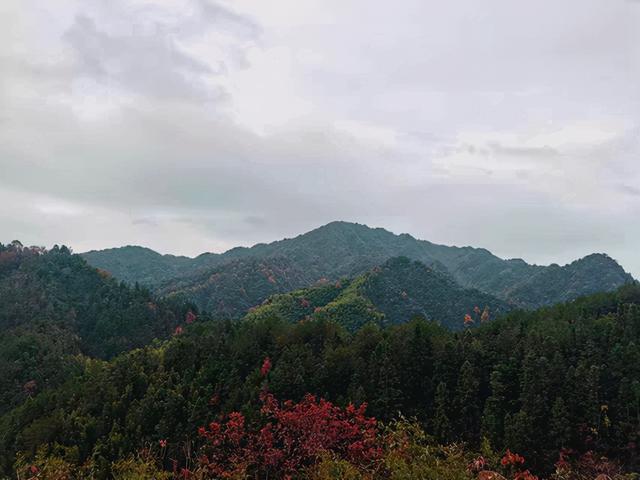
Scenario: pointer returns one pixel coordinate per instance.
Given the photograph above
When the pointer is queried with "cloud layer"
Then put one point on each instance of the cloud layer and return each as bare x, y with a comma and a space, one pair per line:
196, 126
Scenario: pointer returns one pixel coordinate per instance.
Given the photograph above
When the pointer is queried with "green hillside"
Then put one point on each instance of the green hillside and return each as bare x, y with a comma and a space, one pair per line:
393, 293
564, 377
55, 308
342, 249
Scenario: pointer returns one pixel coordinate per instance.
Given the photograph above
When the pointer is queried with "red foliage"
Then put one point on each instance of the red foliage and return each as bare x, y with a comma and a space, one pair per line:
30, 387
587, 464
468, 320
488, 475
266, 367
511, 459
294, 436
477, 465
190, 317
524, 475
304, 303
178, 331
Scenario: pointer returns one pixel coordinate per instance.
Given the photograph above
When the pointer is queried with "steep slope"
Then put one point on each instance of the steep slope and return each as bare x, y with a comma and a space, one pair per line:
393, 293
55, 307
230, 290
554, 284
341, 249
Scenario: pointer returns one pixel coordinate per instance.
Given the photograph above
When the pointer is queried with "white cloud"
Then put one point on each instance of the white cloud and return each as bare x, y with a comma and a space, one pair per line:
198, 125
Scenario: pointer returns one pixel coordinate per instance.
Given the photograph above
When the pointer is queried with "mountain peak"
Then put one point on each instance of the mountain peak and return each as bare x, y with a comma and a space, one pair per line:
347, 249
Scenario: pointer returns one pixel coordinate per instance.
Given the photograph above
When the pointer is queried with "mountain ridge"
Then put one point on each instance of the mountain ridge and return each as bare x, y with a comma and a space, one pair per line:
343, 249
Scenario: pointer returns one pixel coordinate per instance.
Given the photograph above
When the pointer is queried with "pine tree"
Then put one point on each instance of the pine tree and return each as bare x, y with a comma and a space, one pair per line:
560, 426
441, 422
494, 410
468, 402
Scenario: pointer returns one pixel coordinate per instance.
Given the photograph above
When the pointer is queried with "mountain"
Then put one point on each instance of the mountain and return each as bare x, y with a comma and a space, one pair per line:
55, 308
230, 290
341, 249
390, 294
141, 265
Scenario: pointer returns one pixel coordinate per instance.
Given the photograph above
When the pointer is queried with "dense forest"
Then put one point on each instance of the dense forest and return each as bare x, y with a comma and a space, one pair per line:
228, 284
54, 308
289, 392
392, 293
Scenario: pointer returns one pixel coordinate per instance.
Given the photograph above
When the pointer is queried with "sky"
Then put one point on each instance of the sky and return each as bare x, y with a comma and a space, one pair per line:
199, 125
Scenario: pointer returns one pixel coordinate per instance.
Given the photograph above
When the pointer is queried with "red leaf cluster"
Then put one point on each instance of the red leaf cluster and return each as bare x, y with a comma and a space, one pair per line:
266, 367
190, 317
295, 436
477, 465
511, 459
304, 303
585, 465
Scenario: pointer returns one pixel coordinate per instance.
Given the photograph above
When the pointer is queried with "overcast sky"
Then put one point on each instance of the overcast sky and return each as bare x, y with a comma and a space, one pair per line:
194, 125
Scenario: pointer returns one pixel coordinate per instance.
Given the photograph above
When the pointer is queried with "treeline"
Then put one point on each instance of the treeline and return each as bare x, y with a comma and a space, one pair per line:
564, 378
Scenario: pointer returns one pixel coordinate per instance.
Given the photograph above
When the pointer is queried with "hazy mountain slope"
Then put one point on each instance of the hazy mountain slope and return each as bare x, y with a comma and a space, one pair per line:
553, 284
230, 290
347, 249
391, 294
133, 264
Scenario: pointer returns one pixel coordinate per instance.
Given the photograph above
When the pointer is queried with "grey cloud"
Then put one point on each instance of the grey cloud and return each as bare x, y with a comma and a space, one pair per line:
145, 221
144, 64
165, 170
241, 25
630, 190
539, 152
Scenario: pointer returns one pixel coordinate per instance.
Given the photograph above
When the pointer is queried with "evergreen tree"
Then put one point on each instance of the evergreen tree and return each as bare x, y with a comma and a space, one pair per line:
468, 402
441, 423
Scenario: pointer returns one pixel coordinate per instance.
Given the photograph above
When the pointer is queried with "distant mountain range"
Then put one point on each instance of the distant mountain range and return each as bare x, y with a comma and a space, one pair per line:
231, 283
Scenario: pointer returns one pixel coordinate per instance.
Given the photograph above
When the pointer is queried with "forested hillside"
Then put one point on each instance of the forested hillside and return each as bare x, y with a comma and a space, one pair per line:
393, 293
559, 385
342, 249
141, 265
54, 308
229, 291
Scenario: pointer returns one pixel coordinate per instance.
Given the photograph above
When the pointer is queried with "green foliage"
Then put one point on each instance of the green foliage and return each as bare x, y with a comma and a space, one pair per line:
231, 290
54, 308
393, 293
532, 381
86, 386
228, 284
411, 454
139, 265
